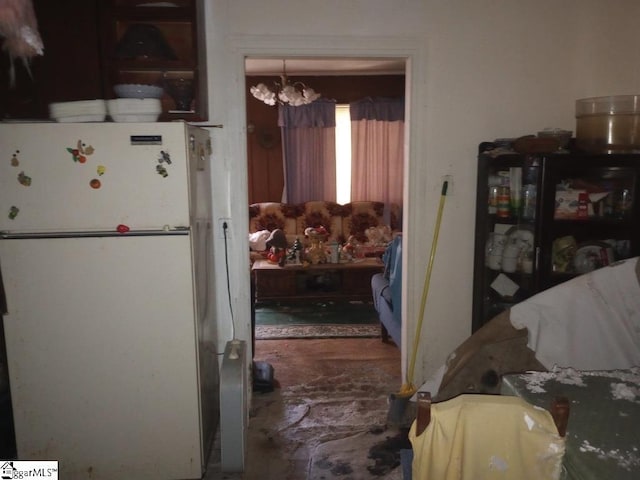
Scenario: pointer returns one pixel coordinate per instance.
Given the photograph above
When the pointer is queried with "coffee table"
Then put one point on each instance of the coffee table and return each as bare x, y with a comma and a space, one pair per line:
325, 281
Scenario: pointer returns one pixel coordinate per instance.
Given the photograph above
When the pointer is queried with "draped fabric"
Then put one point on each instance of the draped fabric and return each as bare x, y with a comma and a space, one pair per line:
309, 153
383, 109
377, 150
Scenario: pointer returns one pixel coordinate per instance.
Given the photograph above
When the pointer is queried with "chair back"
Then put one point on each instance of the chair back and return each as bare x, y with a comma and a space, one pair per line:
486, 437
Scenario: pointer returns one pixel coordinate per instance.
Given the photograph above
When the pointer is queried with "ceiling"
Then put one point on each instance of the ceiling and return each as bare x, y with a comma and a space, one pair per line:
326, 66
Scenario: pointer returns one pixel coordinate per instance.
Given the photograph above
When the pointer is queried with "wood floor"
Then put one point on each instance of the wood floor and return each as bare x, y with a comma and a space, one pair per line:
299, 361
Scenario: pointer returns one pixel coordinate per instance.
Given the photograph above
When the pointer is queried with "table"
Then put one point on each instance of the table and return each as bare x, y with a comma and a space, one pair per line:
603, 434
326, 281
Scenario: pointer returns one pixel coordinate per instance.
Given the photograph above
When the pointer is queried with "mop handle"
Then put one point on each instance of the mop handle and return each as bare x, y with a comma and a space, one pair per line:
425, 289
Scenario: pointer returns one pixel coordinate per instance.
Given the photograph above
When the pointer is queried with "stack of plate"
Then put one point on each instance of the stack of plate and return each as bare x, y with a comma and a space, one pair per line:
134, 109
80, 111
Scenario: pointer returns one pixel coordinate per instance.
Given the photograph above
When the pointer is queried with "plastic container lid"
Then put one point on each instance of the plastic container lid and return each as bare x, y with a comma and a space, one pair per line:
611, 105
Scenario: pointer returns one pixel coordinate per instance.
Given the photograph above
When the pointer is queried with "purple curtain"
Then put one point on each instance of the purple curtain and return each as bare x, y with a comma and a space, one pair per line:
309, 153
381, 109
377, 150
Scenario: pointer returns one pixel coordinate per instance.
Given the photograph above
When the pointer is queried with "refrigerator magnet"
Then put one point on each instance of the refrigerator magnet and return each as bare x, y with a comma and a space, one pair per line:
24, 179
161, 170
164, 157
80, 153
13, 212
95, 183
14, 159
100, 170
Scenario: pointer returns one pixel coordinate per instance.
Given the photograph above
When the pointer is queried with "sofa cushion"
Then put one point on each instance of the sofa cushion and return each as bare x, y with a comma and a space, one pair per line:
273, 215
320, 213
359, 216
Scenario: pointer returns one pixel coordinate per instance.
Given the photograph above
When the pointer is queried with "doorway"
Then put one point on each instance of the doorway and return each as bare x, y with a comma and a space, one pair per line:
343, 79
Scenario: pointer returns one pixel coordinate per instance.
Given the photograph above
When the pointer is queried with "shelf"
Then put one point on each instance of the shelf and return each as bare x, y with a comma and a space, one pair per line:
612, 184
152, 65
153, 6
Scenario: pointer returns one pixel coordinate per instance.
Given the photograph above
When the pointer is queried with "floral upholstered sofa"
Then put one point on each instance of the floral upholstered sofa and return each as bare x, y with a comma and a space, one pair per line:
341, 222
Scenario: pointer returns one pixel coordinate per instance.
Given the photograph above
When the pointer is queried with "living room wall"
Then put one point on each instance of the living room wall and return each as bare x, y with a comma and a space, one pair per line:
264, 149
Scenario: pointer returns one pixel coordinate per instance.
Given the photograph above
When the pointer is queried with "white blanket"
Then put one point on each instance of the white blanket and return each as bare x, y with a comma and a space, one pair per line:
258, 240
589, 323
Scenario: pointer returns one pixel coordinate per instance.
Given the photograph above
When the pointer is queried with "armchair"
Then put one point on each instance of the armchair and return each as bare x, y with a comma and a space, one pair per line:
387, 292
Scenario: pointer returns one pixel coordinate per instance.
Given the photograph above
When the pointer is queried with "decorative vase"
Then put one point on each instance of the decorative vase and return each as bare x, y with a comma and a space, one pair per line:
316, 253
181, 91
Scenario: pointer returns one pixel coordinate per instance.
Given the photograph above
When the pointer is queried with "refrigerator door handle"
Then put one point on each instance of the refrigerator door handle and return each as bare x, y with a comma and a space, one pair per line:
3, 297
110, 233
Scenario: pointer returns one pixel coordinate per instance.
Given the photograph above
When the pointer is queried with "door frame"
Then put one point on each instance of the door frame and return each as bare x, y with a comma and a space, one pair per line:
413, 50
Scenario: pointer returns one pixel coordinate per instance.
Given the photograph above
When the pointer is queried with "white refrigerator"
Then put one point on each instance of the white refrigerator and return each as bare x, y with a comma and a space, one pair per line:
106, 259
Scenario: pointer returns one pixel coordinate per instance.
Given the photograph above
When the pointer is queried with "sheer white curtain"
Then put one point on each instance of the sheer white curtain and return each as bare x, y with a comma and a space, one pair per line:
309, 154
377, 150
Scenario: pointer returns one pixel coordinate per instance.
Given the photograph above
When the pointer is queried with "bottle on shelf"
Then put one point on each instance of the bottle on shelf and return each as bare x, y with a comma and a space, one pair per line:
503, 208
583, 206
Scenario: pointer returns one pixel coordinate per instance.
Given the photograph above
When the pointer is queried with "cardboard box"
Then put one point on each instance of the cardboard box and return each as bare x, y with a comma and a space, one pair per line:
567, 202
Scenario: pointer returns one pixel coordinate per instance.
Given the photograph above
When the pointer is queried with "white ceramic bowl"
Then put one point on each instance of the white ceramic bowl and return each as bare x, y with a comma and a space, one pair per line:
137, 90
135, 117
134, 109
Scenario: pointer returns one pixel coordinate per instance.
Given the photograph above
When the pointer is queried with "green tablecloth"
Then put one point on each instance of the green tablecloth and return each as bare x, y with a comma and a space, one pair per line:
603, 436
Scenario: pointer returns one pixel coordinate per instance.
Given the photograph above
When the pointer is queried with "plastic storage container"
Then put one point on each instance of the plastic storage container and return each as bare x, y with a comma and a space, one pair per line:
608, 124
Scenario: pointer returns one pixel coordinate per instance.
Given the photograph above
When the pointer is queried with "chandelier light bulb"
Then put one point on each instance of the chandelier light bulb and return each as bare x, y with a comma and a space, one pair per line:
262, 92
310, 94
285, 92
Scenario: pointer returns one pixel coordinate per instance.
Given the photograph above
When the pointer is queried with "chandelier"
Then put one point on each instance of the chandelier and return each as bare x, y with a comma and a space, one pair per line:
285, 92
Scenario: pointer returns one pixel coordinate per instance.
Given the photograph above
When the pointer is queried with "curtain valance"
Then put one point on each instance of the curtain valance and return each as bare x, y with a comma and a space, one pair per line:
383, 109
321, 113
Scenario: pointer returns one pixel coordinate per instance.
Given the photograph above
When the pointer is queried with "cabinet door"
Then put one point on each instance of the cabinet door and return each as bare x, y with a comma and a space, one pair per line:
544, 219
590, 214
506, 243
156, 43
70, 68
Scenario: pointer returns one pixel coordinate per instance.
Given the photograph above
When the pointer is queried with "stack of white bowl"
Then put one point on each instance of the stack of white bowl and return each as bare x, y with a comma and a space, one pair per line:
136, 103
80, 111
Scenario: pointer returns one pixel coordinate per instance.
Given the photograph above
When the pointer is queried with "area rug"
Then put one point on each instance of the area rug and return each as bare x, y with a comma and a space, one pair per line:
312, 313
375, 453
327, 417
279, 332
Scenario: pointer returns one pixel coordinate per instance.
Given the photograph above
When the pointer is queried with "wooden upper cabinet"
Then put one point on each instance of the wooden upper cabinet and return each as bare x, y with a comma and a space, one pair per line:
70, 68
156, 43
92, 45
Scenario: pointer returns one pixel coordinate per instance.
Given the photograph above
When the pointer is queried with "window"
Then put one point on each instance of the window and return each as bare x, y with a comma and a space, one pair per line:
343, 154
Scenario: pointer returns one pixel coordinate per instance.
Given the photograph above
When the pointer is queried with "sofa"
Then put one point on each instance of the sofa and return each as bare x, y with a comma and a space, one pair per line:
341, 222
387, 292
